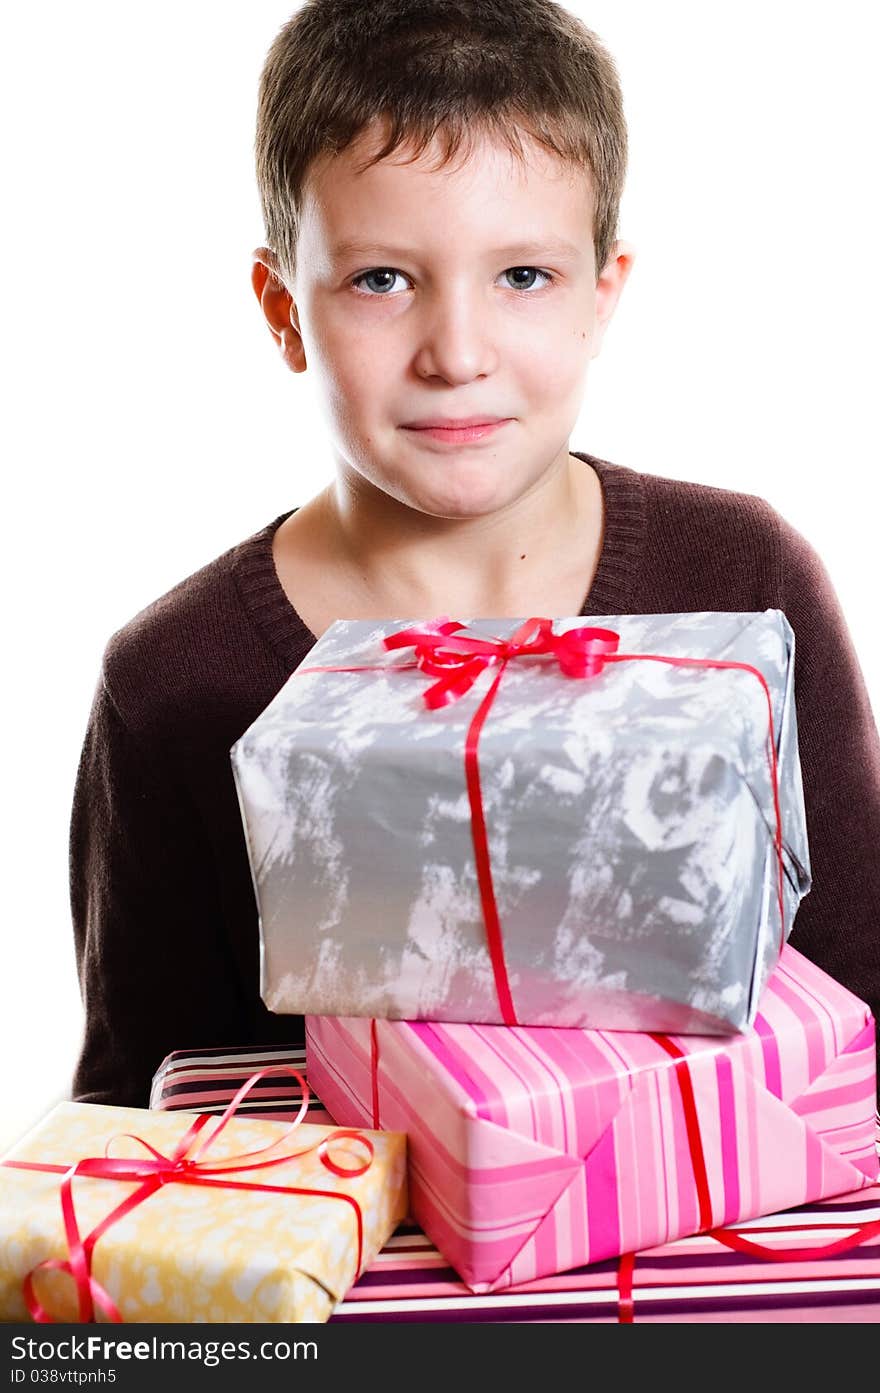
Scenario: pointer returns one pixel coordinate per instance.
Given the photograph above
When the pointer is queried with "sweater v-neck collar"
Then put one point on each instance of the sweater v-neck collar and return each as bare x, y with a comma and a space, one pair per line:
615, 580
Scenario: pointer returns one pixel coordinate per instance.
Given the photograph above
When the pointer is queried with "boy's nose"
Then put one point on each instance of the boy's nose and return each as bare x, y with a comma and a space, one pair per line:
456, 342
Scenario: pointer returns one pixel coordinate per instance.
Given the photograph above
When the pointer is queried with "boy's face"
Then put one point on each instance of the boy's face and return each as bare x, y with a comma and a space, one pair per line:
454, 294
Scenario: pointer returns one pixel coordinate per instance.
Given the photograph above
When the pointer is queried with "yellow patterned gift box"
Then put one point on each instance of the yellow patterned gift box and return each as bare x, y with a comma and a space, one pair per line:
113, 1214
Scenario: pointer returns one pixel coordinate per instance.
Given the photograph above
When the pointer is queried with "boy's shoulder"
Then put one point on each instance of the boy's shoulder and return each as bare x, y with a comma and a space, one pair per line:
747, 523
702, 546
663, 498
699, 505
197, 638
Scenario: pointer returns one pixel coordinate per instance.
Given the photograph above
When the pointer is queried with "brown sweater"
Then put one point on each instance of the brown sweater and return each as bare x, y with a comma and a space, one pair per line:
164, 914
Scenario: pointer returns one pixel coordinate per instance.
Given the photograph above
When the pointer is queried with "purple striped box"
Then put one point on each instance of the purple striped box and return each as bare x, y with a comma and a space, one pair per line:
534, 1150
206, 1080
693, 1280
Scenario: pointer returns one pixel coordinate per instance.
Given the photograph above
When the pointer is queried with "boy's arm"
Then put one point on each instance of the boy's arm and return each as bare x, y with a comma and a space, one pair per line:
838, 922
153, 968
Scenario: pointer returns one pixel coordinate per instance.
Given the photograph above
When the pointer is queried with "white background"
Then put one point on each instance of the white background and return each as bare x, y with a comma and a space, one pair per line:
148, 424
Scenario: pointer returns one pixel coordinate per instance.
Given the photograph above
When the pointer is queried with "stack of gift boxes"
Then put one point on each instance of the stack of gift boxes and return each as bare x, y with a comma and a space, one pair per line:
530, 883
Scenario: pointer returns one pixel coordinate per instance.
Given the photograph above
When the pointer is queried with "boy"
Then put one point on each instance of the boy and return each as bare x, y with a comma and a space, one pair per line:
440, 182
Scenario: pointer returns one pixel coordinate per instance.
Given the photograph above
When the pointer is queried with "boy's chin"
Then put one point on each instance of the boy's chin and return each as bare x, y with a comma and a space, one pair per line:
459, 507
458, 495
455, 488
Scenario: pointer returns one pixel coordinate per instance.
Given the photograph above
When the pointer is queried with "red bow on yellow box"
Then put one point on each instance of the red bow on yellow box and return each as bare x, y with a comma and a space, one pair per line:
185, 1165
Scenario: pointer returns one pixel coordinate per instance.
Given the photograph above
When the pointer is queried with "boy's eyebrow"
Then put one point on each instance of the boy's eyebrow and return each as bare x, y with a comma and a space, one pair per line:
543, 247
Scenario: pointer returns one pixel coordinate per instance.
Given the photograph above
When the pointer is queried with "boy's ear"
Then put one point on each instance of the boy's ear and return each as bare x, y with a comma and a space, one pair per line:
609, 287
278, 308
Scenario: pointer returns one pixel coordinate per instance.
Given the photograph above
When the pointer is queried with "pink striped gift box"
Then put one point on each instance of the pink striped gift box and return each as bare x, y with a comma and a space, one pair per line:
694, 1279
534, 1150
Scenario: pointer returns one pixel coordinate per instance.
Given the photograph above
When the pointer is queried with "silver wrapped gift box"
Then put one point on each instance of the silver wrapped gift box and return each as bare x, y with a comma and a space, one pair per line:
635, 829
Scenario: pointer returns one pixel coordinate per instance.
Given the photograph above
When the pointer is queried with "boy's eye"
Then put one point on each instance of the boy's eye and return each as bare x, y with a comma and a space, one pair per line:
383, 278
519, 271
380, 281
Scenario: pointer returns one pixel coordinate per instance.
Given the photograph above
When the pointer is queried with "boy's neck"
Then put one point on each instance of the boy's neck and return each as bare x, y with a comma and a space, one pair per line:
395, 550
352, 554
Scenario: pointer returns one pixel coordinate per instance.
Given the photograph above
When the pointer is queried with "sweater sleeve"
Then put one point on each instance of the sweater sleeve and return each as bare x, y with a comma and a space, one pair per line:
838, 923
152, 965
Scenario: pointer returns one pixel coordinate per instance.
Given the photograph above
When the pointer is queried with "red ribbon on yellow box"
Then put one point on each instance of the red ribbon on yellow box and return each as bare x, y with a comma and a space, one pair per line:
182, 1167
456, 659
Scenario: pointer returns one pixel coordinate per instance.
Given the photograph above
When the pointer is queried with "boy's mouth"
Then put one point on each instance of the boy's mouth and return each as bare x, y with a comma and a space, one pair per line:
456, 432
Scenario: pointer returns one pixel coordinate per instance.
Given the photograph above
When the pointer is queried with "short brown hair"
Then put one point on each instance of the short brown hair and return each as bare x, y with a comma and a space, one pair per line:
451, 68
